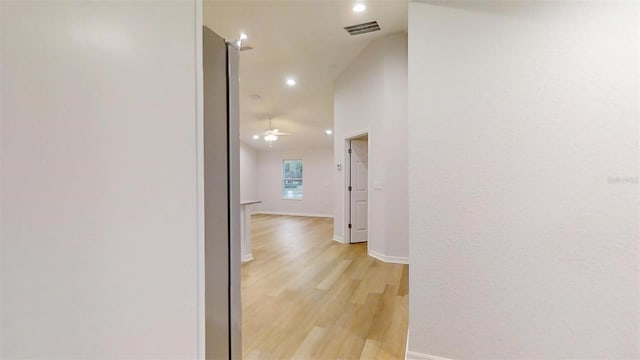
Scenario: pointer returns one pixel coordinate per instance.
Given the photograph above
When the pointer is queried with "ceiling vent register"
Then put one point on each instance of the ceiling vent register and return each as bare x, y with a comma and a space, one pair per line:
363, 28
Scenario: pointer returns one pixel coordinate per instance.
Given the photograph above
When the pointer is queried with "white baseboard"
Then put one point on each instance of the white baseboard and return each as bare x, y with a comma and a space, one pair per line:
338, 238
291, 214
412, 355
388, 259
247, 257
406, 346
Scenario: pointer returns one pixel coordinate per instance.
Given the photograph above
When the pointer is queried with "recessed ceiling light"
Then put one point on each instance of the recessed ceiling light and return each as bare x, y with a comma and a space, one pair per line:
291, 81
256, 137
328, 131
243, 36
359, 8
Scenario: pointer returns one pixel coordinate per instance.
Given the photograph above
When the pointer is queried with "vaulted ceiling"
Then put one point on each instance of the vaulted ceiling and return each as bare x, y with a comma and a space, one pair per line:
305, 40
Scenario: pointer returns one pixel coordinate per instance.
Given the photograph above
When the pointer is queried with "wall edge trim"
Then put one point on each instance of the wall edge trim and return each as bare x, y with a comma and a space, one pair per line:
291, 214
388, 258
412, 355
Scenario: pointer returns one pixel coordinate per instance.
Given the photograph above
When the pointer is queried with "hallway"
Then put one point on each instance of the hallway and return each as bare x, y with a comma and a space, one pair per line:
307, 296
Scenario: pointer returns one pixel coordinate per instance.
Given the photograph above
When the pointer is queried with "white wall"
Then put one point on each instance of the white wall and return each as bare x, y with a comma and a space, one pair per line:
523, 125
317, 185
371, 95
248, 172
98, 193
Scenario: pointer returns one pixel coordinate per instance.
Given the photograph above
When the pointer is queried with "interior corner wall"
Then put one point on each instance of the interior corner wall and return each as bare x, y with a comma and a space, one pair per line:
523, 158
317, 186
371, 95
98, 200
248, 172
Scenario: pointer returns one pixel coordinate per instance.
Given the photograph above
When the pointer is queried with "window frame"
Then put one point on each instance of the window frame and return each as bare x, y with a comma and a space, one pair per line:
283, 179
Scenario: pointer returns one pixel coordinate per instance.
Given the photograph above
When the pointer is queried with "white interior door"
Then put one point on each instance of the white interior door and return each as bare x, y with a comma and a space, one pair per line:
359, 190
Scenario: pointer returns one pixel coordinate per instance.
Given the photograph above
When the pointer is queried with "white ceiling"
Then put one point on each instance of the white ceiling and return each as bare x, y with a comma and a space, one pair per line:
303, 39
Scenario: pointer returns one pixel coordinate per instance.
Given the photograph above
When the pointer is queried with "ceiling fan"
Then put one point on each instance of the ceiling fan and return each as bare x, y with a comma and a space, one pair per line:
270, 135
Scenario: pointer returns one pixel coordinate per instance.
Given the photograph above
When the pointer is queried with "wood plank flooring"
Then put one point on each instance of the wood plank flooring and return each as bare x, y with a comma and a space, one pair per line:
305, 296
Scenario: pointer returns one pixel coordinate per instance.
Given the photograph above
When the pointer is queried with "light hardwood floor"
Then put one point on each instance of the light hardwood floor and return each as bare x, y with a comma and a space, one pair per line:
305, 296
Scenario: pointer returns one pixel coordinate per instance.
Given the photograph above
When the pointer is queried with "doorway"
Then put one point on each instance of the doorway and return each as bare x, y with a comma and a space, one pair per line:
357, 214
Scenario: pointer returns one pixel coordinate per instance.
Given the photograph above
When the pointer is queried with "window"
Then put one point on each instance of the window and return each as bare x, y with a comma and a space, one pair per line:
292, 179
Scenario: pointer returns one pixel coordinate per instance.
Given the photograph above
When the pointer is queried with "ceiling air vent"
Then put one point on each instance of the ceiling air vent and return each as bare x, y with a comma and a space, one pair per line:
363, 28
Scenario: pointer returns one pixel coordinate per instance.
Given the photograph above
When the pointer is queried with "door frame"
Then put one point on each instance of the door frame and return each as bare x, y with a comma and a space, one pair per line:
347, 179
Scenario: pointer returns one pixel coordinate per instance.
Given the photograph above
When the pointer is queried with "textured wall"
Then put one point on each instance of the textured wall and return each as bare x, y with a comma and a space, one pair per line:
523, 158
371, 95
98, 197
317, 186
249, 180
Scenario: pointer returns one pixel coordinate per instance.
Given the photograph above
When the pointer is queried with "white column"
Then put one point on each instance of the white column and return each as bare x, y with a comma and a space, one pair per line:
245, 229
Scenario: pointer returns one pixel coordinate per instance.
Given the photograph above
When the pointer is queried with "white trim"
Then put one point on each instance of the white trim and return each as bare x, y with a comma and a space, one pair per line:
347, 197
406, 346
199, 134
388, 258
356, 133
338, 238
347, 173
247, 257
292, 214
412, 355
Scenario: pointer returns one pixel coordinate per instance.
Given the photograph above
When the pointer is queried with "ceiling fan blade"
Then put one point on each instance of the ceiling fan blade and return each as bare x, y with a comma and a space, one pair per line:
272, 131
